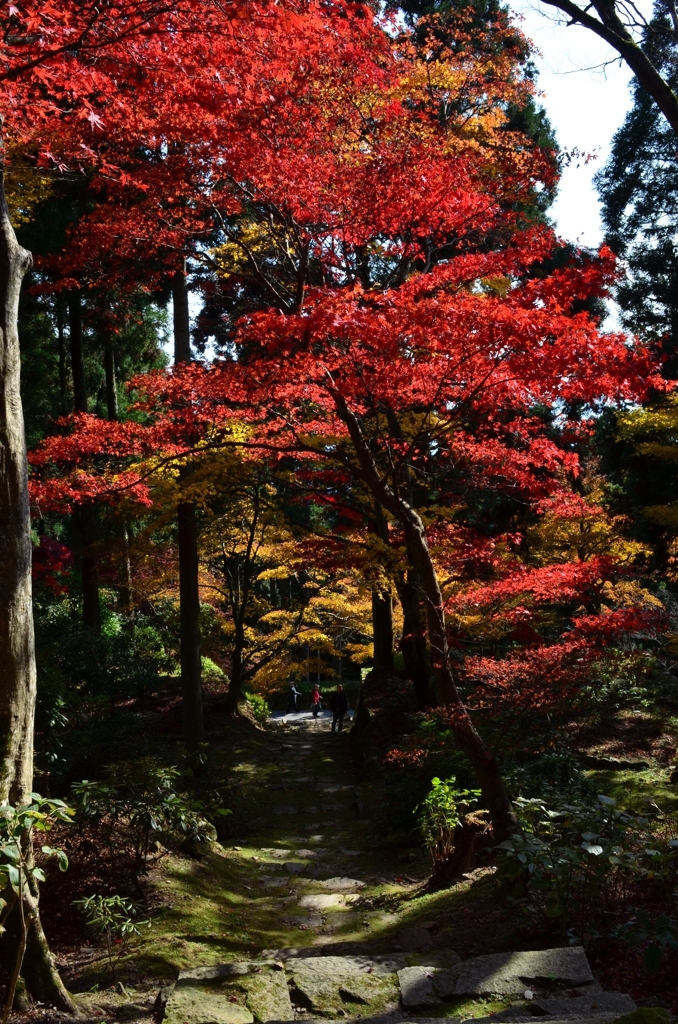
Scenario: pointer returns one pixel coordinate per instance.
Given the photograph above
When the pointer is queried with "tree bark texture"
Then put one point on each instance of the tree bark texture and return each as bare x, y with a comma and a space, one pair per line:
466, 736
182, 323
111, 384
189, 627
414, 643
84, 518
382, 628
189, 595
77, 362
17, 644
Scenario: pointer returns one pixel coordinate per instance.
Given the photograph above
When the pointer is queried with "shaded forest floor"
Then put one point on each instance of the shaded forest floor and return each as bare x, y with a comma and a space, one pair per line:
306, 862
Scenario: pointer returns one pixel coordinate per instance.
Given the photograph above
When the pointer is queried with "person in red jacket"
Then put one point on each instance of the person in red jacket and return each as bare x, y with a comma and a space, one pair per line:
316, 700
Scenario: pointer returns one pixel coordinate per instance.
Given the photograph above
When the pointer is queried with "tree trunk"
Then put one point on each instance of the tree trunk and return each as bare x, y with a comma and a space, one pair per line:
382, 627
613, 31
62, 354
189, 627
84, 519
111, 384
182, 323
113, 414
17, 646
86, 523
189, 595
414, 645
467, 738
77, 363
237, 672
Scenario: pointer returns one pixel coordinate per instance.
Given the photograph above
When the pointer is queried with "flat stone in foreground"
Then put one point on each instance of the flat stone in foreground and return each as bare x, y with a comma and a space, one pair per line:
238, 993
326, 985
416, 987
511, 973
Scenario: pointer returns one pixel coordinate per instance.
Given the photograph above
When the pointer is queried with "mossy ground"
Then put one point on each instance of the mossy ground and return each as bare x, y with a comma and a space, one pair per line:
300, 818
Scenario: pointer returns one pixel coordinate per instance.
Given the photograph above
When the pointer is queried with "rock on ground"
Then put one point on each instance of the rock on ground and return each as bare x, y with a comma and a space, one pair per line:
512, 973
328, 984
239, 993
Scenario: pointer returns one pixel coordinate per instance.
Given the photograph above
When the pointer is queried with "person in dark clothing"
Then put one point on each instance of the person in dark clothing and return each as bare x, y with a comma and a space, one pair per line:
292, 699
338, 707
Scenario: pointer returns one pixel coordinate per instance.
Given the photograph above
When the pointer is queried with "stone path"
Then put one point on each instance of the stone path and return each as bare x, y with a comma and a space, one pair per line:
319, 882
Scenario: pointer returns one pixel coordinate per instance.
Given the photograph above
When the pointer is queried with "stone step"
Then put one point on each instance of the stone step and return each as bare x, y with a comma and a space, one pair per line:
554, 984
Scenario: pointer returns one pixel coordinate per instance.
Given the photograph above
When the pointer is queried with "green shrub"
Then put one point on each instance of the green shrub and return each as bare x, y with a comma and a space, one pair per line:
137, 803
656, 934
439, 815
116, 919
259, 707
78, 670
579, 861
211, 673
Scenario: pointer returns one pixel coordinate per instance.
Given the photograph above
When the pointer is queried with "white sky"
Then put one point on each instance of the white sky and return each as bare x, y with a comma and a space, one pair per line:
585, 102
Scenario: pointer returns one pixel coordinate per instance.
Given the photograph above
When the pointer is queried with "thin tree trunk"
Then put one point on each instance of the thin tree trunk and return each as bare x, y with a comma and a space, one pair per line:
17, 645
237, 672
111, 383
189, 595
414, 644
113, 414
77, 363
189, 627
382, 604
61, 340
611, 28
182, 324
466, 736
382, 628
84, 519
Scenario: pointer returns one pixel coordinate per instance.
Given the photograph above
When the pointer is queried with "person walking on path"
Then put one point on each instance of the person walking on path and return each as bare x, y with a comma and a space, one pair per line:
316, 700
292, 699
339, 707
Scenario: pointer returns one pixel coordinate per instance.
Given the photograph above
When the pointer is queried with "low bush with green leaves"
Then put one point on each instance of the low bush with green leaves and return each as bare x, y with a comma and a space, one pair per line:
117, 921
19, 874
259, 707
440, 813
581, 862
139, 802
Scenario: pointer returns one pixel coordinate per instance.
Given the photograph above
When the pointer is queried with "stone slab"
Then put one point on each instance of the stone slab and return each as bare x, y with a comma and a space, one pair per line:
322, 901
326, 985
587, 1004
416, 988
237, 993
529, 1018
341, 884
512, 973
192, 1004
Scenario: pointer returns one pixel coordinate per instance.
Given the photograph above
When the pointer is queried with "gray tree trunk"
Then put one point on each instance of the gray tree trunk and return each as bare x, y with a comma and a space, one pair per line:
189, 595
466, 736
17, 645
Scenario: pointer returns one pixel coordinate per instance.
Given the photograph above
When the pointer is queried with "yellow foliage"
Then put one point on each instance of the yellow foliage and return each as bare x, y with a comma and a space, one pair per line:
26, 186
